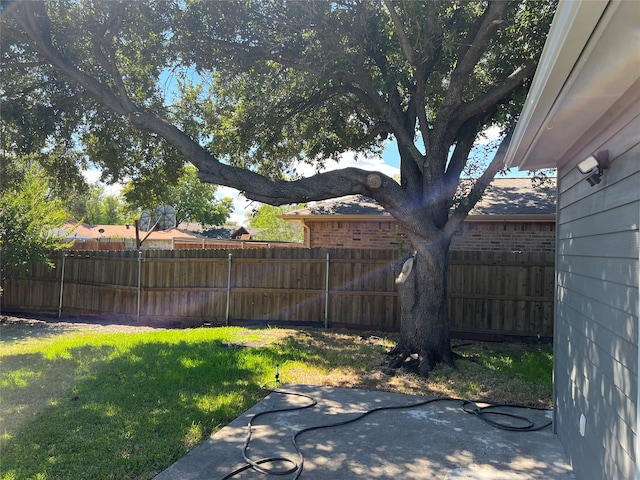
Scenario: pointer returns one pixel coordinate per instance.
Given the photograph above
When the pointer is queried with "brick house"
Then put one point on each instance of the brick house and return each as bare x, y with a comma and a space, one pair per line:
512, 216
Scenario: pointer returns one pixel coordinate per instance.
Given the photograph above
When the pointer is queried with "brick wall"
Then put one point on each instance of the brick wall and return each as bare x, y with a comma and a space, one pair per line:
489, 236
354, 234
506, 236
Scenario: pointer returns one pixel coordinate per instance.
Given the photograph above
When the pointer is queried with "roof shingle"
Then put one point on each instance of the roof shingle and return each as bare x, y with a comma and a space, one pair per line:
505, 196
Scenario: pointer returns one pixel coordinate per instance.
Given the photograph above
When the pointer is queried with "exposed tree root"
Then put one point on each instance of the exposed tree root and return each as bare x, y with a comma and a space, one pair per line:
418, 363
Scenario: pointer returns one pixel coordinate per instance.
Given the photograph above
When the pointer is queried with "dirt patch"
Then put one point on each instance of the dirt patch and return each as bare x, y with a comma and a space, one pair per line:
15, 328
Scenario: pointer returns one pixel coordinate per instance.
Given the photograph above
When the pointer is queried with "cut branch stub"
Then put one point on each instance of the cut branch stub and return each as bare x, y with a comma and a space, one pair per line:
374, 180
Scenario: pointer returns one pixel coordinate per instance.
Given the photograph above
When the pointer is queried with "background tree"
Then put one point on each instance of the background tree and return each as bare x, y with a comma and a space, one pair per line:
259, 86
29, 215
97, 208
265, 218
193, 200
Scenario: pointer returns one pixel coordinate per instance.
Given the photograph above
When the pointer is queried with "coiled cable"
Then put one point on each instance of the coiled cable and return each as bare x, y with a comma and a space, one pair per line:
296, 466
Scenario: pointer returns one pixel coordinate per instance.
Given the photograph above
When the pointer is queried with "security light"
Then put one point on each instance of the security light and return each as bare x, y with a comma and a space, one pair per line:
593, 167
588, 165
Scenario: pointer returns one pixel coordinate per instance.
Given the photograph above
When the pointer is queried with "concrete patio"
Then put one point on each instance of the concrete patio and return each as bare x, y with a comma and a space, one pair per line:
434, 441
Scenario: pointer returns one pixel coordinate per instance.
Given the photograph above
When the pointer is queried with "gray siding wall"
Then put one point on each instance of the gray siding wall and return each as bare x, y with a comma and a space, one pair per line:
596, 334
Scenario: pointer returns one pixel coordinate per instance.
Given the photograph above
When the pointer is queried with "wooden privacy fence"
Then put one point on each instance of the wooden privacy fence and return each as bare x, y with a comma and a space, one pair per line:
491, 294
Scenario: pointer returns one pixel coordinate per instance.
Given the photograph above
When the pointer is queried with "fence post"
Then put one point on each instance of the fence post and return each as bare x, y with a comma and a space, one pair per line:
64, 254
139, 285
326, 294
228, 290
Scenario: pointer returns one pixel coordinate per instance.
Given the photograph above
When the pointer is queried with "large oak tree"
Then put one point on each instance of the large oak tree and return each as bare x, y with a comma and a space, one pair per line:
245, 90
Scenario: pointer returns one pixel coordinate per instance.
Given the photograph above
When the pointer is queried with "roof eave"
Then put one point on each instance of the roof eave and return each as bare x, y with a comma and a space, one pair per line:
333, 217
588, 43
534, 218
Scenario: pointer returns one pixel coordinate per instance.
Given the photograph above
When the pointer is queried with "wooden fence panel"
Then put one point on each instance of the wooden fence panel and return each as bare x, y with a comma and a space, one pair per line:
39, 292
188, 287
100, 281
501, 293
277, 286
491, 294
97, 245
362, 289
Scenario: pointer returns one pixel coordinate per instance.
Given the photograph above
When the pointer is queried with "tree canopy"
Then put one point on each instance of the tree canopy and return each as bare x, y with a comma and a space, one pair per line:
193, 200
29, 217
247, 90
265, 218
95, 207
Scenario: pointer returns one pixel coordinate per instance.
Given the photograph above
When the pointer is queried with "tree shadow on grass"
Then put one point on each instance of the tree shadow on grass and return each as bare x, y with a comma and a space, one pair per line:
108, 412
19, 331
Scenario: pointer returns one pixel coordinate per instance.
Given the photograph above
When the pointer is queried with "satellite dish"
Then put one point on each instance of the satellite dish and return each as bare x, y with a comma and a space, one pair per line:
164, 217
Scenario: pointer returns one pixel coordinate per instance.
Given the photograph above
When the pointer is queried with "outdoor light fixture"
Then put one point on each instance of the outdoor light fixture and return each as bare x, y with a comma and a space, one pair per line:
593, 167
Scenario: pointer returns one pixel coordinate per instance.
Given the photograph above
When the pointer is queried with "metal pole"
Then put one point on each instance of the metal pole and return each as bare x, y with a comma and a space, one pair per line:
326, 294
228, 290
64, 255
139, 284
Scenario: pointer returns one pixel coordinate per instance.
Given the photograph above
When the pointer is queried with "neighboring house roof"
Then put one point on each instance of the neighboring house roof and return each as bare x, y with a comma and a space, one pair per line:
349, 205
243, 233
94, 232
586, 88
222, 232
505, 196
516, 196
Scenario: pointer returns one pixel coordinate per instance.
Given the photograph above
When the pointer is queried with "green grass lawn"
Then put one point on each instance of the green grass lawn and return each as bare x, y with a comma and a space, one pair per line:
123, 405
93, 405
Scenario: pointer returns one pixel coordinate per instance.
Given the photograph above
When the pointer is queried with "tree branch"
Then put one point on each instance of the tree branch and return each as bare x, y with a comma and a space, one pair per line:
459, 158
256, 187
465, 206
496, 94
335, 183
399, 122
108, 63
484, 28
392, 113
32, 17
409, 52
263, 52
419, 102
379, 129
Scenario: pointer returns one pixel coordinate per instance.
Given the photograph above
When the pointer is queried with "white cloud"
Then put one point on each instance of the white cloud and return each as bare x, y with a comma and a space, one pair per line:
241, 205
351, 159
93, 178
489, 135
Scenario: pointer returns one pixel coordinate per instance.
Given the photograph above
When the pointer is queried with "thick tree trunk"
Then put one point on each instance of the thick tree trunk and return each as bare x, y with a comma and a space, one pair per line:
424, 330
